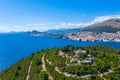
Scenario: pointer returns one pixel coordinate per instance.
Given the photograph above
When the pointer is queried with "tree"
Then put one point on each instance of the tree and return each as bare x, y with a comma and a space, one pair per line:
43, 75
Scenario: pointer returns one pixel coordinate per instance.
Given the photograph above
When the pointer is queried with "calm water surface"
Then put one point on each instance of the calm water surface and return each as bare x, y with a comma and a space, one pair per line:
15, 46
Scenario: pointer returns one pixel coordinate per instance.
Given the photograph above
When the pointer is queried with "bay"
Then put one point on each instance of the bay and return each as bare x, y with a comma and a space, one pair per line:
15, 46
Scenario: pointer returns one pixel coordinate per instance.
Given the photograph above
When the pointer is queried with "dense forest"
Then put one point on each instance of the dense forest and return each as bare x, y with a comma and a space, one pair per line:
68, 63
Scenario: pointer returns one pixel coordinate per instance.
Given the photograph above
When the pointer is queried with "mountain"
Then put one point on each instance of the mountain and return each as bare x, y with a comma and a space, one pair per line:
62, 31
58, 33
111, 25
96, 63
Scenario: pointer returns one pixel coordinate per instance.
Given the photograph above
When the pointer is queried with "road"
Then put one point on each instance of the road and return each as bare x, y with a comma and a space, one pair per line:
44, 67
29, 68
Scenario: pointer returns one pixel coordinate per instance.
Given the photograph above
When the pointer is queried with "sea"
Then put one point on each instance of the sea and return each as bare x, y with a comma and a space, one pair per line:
15, 46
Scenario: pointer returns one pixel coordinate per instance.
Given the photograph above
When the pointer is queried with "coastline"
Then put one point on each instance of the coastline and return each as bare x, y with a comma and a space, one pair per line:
29, 44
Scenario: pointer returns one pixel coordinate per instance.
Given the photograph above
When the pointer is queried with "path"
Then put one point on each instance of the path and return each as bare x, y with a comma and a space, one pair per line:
70, 75
84, 76
27, 77
43, 63
109, 71
44, 67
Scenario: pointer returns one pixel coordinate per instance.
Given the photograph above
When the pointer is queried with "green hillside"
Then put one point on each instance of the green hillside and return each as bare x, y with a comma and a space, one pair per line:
68, 63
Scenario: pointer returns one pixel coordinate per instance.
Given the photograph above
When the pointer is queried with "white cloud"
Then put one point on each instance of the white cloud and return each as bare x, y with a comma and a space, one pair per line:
52, 25
26, 27
40, 27
103, 18
95, 20
72, 25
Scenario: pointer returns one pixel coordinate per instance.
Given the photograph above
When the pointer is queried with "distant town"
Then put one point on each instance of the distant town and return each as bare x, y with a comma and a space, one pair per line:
83, 36
90, 36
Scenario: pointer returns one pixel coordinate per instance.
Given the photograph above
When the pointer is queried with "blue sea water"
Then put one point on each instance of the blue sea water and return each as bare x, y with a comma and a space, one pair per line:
15, 46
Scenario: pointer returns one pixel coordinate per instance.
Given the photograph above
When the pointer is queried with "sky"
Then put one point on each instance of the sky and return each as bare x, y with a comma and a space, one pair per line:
42, 15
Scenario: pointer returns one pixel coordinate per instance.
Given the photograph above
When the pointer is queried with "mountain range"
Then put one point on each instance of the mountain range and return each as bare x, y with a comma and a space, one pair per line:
110, 26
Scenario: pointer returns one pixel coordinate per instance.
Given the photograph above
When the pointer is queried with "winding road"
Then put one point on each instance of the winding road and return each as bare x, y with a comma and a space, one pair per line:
71, 75
44, 67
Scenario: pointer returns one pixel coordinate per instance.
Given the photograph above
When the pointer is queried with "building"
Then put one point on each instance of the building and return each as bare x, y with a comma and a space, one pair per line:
78, 53
60, 53
74, 60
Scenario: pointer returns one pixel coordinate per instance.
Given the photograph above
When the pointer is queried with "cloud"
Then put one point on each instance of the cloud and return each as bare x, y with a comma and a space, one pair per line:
26, 27
47, 26
95, 20
40, 27
103, 18
73, 25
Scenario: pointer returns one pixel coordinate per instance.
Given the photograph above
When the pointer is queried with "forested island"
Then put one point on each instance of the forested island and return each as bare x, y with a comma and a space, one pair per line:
69, 63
